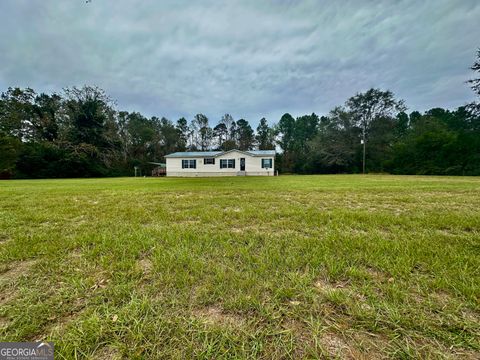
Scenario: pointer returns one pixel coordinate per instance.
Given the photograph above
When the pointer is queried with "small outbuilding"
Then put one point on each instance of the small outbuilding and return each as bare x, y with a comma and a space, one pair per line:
221, 163
159, 170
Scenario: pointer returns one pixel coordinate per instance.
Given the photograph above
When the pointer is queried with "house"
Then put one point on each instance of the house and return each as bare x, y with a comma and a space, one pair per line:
221, 163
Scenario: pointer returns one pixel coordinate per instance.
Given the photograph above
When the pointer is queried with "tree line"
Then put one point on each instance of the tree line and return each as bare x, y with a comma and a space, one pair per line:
79, 133
372, 132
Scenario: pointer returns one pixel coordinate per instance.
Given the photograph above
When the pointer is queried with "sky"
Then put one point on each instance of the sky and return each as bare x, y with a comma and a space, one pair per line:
249, 58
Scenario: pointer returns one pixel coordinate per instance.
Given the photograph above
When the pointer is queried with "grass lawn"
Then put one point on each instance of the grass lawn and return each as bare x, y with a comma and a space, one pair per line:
341, 266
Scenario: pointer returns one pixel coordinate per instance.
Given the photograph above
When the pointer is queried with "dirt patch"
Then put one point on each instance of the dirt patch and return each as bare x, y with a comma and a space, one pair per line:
335, 346
464, 354
369, 345
359, 232
79, 220
471, 316
234, 209
76, 253
434, 349
16, 270
63, 322
360, 346
303, 337
442, 297
445, 232
257, 229
145, 265
376, 274
325, 285
107, 353
3, 322
216, 316
6, 296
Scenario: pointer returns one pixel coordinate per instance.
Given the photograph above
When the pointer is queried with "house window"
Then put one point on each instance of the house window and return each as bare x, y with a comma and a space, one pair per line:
266, 163
189, 164
227, 163
209, 161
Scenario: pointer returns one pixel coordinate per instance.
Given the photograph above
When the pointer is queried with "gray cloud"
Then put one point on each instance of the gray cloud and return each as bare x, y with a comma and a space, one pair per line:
249, 58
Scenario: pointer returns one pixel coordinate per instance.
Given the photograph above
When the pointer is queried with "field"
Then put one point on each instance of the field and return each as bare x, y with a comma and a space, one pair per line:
341, 266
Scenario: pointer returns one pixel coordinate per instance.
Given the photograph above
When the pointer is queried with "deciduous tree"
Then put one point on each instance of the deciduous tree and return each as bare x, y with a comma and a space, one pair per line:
371, 105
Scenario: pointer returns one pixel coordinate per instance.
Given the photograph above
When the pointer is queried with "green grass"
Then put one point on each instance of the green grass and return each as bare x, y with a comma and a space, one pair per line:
282, 267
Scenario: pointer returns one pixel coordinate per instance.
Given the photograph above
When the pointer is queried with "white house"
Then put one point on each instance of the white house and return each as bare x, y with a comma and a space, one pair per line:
221, 163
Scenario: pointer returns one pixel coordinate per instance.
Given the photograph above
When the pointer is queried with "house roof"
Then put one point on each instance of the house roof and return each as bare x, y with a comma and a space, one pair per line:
194, 154
218, 153
162, 165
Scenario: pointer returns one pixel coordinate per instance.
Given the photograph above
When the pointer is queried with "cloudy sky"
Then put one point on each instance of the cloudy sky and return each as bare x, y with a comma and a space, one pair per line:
251, 58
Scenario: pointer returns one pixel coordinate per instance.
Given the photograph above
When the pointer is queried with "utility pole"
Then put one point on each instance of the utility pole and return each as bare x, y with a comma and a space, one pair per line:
364, 150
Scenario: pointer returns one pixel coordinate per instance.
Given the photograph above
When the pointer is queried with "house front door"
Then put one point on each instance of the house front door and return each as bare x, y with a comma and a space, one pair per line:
242, 164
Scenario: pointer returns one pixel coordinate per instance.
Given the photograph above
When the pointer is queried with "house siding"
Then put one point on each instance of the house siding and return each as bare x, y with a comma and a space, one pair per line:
253, 166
